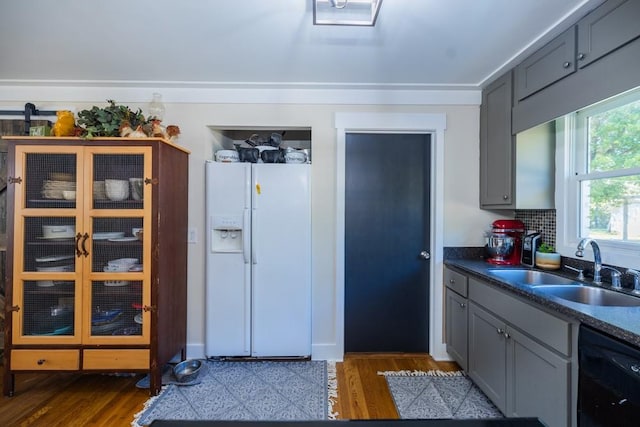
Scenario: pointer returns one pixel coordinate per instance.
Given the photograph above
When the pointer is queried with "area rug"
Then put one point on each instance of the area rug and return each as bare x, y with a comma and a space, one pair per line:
438, 394
249, 390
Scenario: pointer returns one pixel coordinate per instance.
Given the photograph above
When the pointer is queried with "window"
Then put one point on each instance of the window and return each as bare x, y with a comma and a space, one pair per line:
601, 191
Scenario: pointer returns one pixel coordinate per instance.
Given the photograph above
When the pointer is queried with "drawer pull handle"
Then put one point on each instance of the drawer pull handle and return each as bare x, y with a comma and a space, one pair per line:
462, 305
500, 331
41, 361
566, 64
452, 281
506, 335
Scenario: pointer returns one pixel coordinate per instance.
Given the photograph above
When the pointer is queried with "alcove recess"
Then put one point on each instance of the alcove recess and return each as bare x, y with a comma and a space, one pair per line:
225, 138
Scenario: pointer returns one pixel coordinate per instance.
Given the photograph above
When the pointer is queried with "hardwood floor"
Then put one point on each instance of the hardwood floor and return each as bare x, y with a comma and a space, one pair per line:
104, 400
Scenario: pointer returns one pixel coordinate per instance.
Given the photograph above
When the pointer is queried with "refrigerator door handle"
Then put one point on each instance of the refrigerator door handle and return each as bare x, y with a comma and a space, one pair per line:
254, 254
246, 236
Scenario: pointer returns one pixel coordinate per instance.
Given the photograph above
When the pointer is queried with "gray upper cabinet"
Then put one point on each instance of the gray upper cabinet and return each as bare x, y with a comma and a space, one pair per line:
610, 26
606, 52
551, 63
496, 145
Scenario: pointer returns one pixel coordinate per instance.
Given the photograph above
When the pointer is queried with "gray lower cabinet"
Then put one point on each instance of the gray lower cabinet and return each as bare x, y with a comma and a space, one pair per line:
538, 379
456, 322
488, 355
456, 319
521, 376
519, 355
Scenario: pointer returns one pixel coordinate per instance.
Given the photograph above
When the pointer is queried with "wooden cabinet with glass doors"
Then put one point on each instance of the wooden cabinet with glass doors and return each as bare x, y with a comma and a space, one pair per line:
97, 256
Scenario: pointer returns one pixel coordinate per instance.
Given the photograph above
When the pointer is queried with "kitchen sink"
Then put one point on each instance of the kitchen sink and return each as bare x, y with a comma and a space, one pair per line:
530, 277
589, 295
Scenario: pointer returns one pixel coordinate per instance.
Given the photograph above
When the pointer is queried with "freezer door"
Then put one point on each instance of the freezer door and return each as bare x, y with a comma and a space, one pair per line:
281, 246
228, 266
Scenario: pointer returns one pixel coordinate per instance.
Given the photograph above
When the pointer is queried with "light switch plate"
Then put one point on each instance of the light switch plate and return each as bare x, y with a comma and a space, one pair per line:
193, 235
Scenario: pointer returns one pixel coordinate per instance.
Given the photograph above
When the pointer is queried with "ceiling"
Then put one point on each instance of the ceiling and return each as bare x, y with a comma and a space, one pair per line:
423, 44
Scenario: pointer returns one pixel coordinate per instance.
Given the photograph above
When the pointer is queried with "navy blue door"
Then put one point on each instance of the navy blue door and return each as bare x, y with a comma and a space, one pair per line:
387, 181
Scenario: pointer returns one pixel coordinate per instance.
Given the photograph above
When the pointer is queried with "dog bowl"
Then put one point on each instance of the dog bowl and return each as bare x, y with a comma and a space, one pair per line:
187, 371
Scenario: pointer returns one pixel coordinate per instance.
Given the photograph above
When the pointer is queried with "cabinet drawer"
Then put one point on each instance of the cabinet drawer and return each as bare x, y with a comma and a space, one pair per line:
455, 281
545, 327
45, 360
115, 359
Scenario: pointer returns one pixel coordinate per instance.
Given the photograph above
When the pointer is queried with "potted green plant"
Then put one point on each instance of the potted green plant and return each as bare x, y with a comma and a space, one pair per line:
547, 257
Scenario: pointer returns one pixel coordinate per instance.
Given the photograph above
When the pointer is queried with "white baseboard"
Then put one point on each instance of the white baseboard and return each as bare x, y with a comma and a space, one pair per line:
326, 352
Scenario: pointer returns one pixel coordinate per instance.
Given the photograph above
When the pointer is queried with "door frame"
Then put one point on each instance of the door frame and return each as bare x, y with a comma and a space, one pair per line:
415, 123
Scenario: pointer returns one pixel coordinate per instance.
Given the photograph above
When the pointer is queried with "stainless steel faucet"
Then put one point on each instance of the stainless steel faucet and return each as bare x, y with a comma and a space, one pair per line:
636, 280
597, 260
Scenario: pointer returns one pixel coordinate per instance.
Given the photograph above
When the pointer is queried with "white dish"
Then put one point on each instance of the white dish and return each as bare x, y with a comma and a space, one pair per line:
58, 231
136, 268
138, 318
108, 235
56, 269
114, 283
45, 283
124, 239
51, 258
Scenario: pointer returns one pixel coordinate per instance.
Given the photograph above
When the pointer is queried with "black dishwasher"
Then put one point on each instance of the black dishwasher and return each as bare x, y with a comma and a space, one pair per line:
609, 381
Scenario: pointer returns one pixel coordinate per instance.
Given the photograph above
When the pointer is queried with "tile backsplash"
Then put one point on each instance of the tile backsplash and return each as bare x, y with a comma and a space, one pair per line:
542, 221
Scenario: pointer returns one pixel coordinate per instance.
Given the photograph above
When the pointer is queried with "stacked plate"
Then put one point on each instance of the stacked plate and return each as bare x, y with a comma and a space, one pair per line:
54, 189
99, 191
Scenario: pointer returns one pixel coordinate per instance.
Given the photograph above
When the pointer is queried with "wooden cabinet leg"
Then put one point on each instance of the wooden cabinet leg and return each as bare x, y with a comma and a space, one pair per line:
9, 383
155, 381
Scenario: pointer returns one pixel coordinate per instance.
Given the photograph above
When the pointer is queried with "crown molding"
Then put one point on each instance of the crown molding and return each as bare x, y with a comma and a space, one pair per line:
240, 93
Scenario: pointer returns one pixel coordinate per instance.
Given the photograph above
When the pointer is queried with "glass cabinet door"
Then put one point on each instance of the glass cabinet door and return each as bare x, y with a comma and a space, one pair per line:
82, 257
118, 290
47, 266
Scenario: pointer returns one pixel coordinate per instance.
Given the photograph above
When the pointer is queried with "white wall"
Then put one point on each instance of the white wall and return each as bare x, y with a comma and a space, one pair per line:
463, 222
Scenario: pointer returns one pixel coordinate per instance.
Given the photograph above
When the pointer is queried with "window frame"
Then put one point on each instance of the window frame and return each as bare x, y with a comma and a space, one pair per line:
571, 167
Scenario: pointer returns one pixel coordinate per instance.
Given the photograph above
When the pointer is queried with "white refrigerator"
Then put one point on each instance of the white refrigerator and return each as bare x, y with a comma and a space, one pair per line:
258, 262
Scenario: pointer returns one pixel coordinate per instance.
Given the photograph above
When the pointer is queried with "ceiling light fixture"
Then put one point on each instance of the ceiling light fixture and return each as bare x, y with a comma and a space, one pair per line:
346, 12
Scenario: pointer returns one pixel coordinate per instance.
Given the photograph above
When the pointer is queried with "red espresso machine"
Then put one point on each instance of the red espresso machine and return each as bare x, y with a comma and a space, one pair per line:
504, 244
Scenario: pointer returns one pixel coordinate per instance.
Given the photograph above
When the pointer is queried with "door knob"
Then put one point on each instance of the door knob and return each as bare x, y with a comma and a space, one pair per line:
425, 255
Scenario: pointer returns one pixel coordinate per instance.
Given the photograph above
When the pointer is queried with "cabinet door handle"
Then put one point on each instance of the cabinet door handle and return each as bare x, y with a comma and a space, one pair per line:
581, 56
40, 361
500, 331
462, 305
78, 250
452, 281
84, 241
506, 335
505, 197
566, 64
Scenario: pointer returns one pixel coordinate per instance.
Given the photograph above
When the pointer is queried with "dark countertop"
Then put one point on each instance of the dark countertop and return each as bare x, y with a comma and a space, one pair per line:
620, 322
502, 422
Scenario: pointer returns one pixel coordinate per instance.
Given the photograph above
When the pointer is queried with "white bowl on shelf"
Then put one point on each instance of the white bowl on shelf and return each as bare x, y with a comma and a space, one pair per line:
116, 189
58, 231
